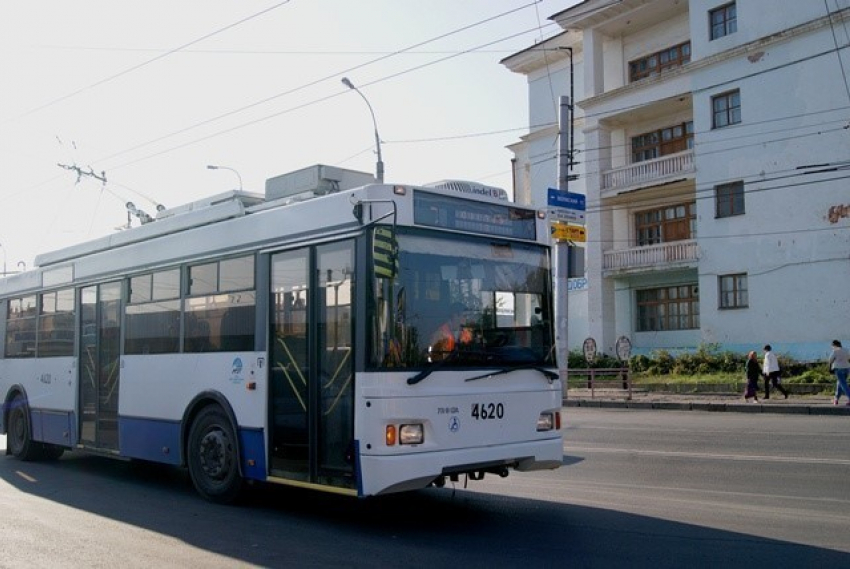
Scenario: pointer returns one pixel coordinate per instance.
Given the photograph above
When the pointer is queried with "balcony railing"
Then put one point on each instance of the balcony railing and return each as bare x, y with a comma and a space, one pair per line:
659, 256
648, 171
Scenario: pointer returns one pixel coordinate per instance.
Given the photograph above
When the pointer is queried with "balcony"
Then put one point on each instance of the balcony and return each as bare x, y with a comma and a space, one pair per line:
646, 173
663, 256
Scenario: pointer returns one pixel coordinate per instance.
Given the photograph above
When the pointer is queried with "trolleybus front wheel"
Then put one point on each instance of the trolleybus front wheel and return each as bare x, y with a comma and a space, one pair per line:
212, 458
20, 442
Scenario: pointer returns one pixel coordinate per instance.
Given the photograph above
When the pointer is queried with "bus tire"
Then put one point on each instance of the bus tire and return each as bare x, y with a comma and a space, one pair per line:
212, 457
19, 437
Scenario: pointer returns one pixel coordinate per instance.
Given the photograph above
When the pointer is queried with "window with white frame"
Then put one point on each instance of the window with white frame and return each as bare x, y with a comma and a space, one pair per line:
723, 21
733, 291
726, 109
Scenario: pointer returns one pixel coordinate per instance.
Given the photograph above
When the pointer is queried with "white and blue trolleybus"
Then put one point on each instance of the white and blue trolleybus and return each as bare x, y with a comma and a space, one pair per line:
295, 338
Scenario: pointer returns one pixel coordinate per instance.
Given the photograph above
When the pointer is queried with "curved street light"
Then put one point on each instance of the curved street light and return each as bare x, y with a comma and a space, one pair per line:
379, 167
213, 167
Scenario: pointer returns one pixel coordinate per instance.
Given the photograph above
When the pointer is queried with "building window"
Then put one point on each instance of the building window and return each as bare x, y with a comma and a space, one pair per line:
668, 308
733, 291
660, 61
663, 142
729, 199
726, 109
723, 21
670, 223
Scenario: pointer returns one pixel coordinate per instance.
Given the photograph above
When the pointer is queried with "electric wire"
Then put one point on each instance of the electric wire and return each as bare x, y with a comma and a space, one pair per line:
331, 76
837, 50
149, 61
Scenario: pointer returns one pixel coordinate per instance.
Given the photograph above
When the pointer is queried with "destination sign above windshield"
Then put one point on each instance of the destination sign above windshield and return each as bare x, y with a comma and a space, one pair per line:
458, 214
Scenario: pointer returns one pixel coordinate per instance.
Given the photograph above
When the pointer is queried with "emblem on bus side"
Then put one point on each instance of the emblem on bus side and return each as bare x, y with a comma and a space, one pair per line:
236, 371
454, 424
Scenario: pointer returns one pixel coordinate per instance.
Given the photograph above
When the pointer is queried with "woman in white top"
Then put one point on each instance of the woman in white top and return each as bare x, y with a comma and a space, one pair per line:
839, 363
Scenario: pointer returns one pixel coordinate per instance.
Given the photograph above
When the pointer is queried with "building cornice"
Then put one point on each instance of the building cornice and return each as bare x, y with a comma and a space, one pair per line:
545, 53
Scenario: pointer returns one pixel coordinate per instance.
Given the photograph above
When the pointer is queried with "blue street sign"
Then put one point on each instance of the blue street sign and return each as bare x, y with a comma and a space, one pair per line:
568, 200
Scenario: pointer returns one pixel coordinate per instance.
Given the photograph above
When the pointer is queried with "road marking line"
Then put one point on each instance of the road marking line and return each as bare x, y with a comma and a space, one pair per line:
741, 457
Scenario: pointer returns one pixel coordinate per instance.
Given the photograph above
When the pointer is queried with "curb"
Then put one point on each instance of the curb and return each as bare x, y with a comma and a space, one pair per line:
711, 407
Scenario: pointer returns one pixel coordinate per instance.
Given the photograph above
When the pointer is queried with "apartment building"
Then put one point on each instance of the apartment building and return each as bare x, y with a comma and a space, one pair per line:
714, 152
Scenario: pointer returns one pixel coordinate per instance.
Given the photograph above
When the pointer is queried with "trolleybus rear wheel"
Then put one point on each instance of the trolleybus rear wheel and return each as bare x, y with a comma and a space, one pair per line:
212, 457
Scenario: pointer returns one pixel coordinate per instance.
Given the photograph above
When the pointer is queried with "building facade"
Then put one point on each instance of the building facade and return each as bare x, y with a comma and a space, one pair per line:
714, 152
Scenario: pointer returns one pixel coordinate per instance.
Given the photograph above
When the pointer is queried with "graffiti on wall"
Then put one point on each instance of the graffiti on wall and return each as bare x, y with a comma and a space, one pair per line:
837, 212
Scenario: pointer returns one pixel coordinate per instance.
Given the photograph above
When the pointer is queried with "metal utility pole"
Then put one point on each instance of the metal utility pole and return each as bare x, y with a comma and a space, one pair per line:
562, 248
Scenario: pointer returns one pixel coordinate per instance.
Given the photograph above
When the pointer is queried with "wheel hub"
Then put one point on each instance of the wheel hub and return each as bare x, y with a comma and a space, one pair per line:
214, 454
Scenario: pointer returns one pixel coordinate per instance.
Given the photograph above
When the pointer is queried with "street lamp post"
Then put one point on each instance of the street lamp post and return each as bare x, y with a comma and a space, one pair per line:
213, 167
379, 167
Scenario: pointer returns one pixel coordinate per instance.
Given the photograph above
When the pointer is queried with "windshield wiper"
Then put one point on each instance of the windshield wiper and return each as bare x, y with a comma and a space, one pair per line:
550, 375
414, 379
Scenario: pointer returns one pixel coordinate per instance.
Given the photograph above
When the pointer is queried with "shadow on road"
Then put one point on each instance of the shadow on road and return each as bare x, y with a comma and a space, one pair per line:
278, 526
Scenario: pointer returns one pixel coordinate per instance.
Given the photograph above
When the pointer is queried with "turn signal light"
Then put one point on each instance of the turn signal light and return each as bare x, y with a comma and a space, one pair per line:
391, 435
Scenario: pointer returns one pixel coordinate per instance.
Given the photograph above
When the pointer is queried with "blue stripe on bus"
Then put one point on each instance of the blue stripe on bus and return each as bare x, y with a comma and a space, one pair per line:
253, 445
52, 427
358, 474
149, 439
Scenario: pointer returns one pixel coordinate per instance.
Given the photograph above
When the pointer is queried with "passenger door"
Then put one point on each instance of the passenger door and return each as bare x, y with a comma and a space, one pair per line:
100, 351
311, 371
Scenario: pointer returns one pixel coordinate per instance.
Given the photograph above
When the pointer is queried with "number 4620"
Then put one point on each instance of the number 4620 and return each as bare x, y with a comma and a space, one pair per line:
488, 411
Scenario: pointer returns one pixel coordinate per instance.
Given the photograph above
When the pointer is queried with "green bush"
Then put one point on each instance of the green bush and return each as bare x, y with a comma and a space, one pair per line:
706, 360
816, 374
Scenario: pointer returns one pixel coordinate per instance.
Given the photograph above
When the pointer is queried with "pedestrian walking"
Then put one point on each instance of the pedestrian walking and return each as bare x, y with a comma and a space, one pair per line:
771, 372
753, 375
839, 364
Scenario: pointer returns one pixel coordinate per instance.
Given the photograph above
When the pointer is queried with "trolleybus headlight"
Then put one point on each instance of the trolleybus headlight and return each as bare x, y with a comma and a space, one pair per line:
546, 421
411, 434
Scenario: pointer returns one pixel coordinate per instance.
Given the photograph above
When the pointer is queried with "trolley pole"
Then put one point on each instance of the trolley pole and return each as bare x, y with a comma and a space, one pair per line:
562, 249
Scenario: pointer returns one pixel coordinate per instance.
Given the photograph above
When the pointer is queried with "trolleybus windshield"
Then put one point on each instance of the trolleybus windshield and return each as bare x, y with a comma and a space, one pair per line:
462, 301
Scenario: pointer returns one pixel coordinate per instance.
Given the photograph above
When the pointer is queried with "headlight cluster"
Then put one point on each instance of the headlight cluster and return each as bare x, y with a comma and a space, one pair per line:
410, 434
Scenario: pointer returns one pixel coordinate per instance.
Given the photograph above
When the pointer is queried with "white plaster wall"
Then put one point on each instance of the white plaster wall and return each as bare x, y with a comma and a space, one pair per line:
612, 55
796, 260
756, 19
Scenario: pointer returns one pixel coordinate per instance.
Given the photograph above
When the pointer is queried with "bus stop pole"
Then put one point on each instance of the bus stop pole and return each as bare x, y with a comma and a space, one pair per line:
562, 250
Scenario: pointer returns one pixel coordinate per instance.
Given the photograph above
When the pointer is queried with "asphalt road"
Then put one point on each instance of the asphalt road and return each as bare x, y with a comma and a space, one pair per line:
638, 489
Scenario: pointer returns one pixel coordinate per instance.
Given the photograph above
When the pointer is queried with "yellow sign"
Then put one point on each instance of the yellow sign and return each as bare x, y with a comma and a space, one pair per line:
567, 232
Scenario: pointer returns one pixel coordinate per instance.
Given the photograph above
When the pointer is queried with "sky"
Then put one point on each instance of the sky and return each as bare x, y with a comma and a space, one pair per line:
146, 94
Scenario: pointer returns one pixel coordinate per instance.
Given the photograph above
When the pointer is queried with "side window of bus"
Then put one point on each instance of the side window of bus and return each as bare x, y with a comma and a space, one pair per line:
152, 316
220, 310
56, 324
20, 327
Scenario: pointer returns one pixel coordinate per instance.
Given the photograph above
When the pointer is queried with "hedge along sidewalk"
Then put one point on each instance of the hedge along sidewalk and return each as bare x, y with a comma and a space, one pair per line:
820, 404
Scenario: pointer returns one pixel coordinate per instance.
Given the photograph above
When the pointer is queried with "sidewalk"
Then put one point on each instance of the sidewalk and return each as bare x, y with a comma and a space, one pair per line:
618, 398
